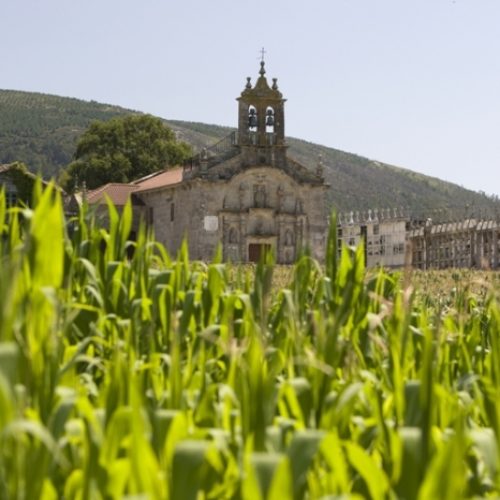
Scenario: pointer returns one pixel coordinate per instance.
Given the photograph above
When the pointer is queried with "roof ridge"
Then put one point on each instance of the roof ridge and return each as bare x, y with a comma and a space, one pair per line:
97, 189
167, 177
150, 176
104, 186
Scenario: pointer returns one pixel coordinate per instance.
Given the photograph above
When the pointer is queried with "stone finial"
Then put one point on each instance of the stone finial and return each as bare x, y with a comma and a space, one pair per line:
84, 190
320, 168
249, 84
262, 70
275, 84
204, 160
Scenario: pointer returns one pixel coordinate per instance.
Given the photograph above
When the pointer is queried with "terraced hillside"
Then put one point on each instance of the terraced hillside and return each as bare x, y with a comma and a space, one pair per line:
42, 130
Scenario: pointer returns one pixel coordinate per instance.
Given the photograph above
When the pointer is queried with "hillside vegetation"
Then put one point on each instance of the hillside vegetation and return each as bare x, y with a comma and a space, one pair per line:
42, 130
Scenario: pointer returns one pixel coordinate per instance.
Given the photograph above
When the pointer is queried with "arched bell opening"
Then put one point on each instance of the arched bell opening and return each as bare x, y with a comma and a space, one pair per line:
253, 124
270, 121
252, 119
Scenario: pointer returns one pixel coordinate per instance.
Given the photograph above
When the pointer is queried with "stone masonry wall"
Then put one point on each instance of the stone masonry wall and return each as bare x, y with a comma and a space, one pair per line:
259, 205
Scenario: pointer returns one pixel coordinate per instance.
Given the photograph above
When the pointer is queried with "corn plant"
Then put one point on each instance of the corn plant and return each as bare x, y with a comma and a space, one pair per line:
128, 372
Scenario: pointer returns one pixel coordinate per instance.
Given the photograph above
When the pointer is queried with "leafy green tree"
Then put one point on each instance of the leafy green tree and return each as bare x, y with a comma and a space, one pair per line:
123, 149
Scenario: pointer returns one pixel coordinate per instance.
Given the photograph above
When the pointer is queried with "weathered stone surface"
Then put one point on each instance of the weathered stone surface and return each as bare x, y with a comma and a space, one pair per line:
247, 197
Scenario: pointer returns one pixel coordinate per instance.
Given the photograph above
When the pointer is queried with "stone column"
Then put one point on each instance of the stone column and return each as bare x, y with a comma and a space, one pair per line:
496, 235
279, 240
243, 237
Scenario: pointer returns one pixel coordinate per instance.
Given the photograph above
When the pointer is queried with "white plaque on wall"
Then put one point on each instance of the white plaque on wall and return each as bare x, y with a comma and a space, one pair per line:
211, 223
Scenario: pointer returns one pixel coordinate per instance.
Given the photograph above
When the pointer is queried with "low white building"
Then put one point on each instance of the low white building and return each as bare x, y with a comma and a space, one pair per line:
384, 233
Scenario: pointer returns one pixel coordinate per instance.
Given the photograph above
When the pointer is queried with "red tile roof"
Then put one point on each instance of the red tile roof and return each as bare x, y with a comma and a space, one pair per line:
118, 193
159, 180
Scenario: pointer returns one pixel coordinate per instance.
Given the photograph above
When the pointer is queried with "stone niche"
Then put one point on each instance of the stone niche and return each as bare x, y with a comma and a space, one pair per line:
261, 222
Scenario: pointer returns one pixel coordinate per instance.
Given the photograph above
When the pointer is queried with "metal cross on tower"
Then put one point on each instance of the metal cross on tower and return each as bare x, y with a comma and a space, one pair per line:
262, 52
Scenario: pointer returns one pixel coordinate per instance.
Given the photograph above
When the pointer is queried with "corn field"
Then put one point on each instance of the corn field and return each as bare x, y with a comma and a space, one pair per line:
126, 373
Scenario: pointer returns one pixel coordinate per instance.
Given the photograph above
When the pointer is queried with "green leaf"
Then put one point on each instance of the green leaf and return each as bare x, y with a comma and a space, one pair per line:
373, 476
188, 469
446, 475
303, 448
46, 235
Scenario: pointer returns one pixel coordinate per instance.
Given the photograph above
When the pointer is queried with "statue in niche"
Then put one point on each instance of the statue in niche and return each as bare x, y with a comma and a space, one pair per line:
281, 197
288, 238
241, 195
299, 206
259, 226
259, 196
233, 235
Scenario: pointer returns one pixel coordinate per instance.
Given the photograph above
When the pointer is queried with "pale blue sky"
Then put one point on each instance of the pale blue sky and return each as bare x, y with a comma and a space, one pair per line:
415, 83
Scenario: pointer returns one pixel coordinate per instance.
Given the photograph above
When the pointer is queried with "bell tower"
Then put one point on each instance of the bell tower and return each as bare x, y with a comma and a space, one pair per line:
261, 122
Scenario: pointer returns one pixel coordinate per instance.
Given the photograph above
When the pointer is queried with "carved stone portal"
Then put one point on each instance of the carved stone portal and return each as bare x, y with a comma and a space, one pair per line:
259, 196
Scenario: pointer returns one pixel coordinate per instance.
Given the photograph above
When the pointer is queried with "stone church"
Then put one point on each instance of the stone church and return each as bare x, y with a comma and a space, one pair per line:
244, 192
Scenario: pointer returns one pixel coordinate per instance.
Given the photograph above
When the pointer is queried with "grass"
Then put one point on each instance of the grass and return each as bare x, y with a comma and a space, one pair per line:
154, 377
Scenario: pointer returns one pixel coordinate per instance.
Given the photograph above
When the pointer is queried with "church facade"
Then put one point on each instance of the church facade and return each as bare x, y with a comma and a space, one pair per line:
244, 193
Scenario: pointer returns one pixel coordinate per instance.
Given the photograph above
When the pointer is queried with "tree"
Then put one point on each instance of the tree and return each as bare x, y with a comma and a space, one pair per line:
123, 149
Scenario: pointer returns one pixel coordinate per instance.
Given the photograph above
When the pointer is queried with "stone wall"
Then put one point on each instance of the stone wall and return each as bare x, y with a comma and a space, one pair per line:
260, 206
464, 244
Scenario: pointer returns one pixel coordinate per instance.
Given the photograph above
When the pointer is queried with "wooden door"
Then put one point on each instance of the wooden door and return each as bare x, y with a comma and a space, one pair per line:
256, 251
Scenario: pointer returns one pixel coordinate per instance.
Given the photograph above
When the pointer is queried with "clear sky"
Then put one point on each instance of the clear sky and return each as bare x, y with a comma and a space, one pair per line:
415, 83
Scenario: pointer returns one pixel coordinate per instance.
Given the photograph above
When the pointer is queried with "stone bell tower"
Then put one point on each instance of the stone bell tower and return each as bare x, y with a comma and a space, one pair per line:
261, 123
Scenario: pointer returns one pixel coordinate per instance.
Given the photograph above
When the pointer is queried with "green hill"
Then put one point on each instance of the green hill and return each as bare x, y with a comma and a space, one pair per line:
42, 130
